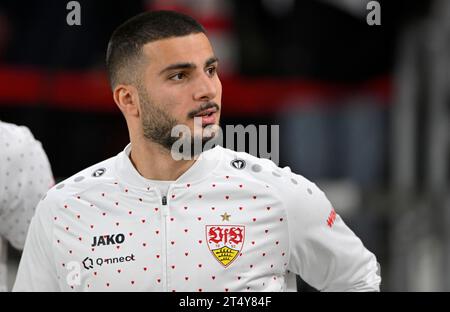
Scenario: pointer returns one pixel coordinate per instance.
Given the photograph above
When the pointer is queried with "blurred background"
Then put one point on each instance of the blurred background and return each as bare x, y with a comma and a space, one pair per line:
363, 109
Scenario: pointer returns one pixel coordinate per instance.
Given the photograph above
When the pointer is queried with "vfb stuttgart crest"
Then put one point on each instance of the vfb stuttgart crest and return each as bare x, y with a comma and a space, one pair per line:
225, 242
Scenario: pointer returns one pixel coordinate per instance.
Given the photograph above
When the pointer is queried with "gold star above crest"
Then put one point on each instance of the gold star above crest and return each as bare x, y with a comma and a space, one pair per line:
225, 217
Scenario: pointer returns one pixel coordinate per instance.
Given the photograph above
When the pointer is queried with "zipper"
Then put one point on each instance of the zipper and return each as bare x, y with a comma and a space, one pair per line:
164, 214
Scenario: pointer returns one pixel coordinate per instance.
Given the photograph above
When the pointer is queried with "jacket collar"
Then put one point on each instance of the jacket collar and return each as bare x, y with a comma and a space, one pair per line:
201, 169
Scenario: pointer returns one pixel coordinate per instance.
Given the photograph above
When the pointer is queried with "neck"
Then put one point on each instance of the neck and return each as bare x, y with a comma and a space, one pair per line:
154, 162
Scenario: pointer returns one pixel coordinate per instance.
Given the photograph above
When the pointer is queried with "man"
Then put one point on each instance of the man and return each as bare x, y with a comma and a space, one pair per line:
25, 176
143, 221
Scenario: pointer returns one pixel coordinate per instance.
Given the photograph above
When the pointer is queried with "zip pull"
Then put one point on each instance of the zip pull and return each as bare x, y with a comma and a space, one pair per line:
164, 211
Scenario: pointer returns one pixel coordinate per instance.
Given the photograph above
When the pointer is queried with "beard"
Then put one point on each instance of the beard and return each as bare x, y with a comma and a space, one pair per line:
157, 127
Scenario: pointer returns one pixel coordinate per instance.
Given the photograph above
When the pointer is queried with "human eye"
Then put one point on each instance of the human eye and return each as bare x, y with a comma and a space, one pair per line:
212, 70
178, 76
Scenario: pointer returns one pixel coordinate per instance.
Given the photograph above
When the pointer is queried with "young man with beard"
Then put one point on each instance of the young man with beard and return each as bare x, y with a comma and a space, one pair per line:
223, 221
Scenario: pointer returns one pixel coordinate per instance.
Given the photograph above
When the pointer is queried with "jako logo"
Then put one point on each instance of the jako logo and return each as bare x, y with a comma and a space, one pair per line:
103, 240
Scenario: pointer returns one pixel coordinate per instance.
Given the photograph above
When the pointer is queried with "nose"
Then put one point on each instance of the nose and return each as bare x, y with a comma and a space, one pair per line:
206, 88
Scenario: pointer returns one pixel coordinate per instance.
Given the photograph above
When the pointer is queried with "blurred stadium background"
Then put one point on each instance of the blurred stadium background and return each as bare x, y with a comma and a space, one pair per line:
363, 110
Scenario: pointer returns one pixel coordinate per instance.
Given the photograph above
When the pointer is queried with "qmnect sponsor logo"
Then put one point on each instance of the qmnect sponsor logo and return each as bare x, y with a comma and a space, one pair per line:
89, 263
73, 277
191, 145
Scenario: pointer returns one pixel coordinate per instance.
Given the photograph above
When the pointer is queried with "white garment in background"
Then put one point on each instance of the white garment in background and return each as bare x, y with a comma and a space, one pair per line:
25, 176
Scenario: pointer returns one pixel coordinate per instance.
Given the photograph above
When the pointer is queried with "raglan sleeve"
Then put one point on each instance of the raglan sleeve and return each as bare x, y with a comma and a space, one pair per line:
27, 176
323, 250
37, 269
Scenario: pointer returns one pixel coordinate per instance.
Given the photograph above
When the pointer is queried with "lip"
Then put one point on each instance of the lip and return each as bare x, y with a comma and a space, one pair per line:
209, 119
208, 116
206, 112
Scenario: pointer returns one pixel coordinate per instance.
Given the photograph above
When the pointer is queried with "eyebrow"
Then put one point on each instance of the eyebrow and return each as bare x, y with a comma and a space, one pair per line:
211, 61
208, 62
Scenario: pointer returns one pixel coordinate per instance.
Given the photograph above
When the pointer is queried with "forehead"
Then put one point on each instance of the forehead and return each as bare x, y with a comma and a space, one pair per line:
193, 48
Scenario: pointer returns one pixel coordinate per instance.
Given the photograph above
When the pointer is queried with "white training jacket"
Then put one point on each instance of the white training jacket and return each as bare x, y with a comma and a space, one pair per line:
25, 176
232, 222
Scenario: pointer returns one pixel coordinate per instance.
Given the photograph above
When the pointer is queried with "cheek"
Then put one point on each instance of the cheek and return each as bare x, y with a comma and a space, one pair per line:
169, 101
219, 88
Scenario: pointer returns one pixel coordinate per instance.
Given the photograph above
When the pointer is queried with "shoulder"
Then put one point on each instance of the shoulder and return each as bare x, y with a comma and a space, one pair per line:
86, 179
264, 170
9, 130
297, 192
21, 154
16, 139
24, 166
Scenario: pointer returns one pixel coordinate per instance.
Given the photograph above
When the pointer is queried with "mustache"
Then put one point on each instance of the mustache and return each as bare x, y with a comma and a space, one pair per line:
203, 107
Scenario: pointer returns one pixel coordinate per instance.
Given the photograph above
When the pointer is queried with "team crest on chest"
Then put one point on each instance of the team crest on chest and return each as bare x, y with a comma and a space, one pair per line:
225, 242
